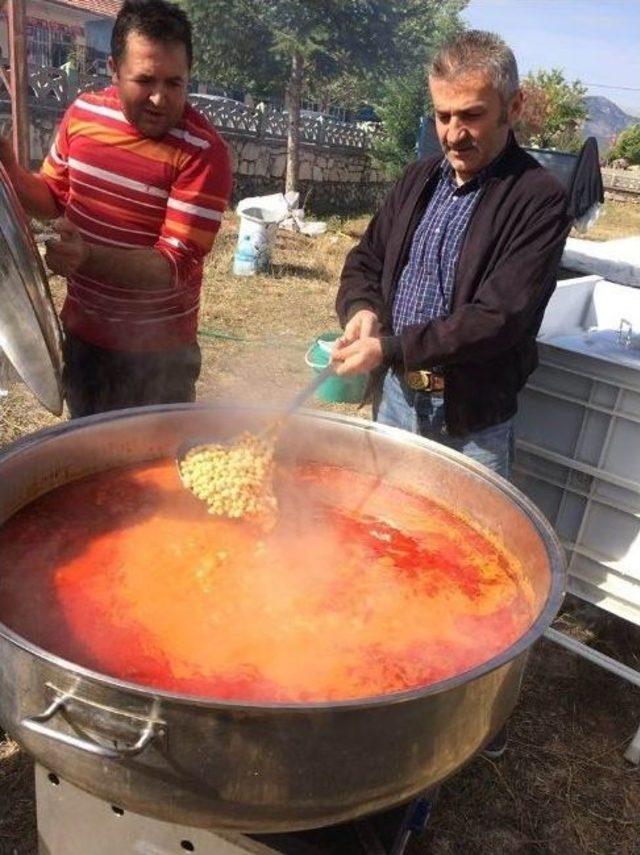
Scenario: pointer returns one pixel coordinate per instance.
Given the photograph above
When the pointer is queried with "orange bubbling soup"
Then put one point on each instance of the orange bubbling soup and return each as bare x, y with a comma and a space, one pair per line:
361, 589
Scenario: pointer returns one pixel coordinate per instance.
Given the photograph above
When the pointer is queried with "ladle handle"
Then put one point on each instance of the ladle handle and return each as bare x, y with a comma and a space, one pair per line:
38, 724
308, 390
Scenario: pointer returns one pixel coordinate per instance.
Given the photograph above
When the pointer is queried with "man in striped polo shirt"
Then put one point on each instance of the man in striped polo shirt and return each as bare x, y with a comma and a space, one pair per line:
142, 181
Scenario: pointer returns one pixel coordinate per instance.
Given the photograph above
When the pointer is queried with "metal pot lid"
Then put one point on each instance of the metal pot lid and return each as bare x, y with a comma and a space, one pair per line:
29, 329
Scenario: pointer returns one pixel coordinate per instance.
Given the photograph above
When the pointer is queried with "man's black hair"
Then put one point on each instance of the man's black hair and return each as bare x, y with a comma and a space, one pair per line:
157, 20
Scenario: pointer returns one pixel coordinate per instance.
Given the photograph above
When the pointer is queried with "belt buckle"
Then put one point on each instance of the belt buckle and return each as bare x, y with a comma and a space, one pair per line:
419, 381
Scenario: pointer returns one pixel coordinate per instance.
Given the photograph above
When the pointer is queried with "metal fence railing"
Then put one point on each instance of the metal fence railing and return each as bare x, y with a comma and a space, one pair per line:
52, 90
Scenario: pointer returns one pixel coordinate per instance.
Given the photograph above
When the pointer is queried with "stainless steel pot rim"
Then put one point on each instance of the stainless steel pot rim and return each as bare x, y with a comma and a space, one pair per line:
554, 598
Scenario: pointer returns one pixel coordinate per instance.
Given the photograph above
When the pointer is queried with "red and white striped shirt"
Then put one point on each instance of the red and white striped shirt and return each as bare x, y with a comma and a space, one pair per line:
124, 190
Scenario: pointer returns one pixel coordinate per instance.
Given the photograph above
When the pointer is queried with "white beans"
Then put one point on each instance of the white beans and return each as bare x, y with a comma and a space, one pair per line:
234, 480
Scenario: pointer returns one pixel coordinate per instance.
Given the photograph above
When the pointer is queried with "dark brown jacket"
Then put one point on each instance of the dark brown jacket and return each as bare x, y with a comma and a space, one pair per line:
504, 278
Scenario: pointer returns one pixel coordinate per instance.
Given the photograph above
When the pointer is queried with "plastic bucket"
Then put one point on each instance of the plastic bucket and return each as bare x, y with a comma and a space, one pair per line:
334, 390
257, 233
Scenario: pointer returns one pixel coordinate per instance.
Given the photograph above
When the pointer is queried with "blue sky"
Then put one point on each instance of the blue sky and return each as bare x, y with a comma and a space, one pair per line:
595, 41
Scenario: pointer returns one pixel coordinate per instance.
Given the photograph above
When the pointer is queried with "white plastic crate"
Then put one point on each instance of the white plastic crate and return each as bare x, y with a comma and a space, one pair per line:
578, 438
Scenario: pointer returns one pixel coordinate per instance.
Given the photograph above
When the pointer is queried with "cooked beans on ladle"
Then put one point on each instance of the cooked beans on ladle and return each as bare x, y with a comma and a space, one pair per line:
233, 480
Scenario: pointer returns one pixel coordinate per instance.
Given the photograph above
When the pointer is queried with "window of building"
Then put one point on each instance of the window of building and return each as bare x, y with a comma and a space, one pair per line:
38, 45
61, 45
49, 43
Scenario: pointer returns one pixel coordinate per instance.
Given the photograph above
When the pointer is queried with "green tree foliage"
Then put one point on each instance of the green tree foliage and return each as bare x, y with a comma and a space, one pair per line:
423, 26
334, 51
251, 42
414, 31
228, 46
271, 45
627, 145
403, 98
554, 111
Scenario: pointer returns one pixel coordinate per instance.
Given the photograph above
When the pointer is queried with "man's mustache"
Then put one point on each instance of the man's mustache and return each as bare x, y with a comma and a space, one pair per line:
457, 148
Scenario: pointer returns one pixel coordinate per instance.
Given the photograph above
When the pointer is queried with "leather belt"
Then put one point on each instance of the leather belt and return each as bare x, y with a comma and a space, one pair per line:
424, 381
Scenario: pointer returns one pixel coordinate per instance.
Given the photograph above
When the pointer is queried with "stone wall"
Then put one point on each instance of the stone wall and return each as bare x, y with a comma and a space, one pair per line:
331, 181
324, 199
621, 184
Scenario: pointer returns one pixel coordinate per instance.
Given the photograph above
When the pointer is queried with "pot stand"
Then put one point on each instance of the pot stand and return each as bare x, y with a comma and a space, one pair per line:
73, 822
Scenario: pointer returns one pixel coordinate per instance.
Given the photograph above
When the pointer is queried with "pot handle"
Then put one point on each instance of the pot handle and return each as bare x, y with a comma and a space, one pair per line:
37, 724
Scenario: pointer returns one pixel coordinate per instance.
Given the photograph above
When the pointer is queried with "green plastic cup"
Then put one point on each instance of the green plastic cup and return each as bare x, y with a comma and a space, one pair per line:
334, 390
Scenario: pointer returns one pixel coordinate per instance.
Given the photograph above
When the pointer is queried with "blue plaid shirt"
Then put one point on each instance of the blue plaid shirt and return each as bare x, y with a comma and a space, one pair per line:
426, 282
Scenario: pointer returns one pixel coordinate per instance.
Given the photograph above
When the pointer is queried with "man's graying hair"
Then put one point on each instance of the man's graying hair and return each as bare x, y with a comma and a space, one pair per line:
476, 50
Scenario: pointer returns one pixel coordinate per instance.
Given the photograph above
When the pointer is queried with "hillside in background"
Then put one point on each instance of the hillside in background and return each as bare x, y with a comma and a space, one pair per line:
605, 121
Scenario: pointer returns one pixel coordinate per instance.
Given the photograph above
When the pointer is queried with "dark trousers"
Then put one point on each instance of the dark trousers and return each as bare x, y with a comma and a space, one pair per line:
97, 380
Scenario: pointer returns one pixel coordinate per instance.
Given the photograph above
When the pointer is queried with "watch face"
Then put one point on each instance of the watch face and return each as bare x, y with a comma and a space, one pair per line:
29, 330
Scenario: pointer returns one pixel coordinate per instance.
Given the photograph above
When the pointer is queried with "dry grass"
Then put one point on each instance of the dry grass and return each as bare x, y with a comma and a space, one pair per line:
563, 787
275, 317
255, 331
17, 807
21, 414
617, 220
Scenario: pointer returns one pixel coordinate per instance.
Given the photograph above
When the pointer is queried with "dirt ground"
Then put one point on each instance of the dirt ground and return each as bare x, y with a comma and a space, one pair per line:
563, 786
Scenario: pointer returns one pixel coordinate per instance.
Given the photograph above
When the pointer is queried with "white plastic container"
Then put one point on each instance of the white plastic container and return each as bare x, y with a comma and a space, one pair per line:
578, 438
256, 237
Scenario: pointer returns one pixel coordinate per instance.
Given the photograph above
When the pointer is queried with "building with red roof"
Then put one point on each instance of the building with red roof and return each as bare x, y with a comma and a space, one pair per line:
58, 28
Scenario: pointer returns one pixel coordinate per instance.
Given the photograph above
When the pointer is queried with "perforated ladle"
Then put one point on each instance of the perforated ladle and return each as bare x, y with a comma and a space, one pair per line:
272, 427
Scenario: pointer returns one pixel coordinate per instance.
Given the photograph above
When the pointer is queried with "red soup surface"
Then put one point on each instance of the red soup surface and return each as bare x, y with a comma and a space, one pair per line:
361, 589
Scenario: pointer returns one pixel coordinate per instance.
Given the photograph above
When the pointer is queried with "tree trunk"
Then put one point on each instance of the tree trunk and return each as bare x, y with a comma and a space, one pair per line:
293, 99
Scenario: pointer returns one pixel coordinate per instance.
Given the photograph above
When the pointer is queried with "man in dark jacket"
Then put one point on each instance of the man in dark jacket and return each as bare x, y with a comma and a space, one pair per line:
444, 295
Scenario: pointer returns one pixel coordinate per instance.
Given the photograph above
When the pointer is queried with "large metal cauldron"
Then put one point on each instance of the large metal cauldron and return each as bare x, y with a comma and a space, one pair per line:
260, 767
